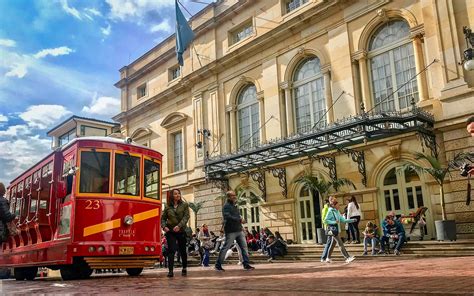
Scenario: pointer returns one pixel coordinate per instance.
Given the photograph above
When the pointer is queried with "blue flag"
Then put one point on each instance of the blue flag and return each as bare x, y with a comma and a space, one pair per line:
184, 34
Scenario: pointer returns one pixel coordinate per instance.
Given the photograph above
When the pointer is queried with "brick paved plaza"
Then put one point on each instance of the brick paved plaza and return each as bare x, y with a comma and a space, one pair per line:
434, 276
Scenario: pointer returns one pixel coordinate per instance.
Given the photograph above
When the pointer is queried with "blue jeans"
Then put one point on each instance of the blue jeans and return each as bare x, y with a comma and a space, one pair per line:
239, 237
329, 245
386, 242
374, 242
205, 259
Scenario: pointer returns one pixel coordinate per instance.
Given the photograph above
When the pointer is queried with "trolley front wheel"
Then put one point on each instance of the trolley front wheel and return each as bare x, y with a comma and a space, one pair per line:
134, 271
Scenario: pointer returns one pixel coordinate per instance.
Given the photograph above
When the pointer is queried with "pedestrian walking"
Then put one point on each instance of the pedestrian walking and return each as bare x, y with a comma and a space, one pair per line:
353, 212
5, 215
206, 244
332, 219
174, 220
233, 231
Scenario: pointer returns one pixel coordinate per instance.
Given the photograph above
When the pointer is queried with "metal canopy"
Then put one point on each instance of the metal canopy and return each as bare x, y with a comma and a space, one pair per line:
337, 136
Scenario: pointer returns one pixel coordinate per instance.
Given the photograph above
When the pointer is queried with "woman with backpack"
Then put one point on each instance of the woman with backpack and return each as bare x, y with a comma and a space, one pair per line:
332, 219
5, 215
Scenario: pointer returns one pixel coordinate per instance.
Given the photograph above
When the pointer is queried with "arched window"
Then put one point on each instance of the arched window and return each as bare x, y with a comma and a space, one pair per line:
310, 103
248, 117
392, 64
402, 192
250, 211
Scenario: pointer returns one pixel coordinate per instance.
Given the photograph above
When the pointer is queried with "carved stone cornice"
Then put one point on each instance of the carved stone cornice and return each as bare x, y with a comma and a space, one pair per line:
326, 69
417, 32
285, 85
230, 108
198, 95
359, 55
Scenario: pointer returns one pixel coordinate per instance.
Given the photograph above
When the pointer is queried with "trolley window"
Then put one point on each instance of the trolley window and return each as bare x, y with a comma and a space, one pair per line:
127, 174
94, 172
152, 179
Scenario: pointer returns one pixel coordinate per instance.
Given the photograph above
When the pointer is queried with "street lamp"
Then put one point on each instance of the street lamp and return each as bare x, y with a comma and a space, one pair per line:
468, 61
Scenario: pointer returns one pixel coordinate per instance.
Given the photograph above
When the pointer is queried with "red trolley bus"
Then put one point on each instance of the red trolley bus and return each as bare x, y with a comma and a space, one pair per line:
93, 204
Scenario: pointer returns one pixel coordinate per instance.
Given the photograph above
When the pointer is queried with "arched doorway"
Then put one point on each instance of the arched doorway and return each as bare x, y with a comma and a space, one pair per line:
250, 211
403, 193
308, 208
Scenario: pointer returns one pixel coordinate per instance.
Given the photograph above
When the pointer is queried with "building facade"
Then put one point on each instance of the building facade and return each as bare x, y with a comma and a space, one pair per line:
77, 126
272, 90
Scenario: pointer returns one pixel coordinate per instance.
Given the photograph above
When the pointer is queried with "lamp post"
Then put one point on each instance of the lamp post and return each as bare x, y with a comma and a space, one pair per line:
468, 59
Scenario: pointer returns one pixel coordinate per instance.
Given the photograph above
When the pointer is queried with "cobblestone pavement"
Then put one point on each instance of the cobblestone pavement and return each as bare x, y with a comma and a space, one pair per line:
432, 276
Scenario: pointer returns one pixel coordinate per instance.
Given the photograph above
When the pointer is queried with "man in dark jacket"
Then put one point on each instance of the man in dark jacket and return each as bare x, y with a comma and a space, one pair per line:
233, 232
5, 215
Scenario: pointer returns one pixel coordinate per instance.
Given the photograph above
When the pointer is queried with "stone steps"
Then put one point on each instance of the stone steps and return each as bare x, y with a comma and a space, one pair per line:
312, 253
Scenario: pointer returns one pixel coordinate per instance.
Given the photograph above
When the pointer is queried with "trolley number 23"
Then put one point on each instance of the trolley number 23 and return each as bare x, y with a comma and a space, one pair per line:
92, 204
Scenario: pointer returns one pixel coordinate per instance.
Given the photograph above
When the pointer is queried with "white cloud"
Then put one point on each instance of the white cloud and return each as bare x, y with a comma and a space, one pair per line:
3, 118
93, 11
103, 106
7, 43
124, 9
164, 26
44, 116
106, 31
19, 154
18, 70
15, 130
63, 50
70, 10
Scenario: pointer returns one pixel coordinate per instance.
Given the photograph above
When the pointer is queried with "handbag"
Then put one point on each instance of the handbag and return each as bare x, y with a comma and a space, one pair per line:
332, 230
12, 229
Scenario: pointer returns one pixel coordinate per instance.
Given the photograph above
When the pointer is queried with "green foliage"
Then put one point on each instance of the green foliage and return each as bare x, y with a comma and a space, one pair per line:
319, 184
196, 207
435, 169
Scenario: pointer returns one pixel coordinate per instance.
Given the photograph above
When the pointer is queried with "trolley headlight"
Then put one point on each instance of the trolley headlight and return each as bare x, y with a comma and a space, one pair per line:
101, 249
147, 249
91, 249
128, 220
152, 249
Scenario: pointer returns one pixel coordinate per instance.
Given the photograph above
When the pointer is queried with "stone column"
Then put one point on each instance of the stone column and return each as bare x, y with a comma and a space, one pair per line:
328, 93
261, 110
356, 83
290, 123
361, 57
420, 65
232, 110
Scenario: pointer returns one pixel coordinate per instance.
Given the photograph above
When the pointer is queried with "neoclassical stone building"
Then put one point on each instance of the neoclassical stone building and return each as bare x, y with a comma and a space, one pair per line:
273, 89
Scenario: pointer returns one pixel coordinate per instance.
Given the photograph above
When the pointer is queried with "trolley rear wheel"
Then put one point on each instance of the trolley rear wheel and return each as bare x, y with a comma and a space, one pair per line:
22, 273
31, 273
134, 271
78, 270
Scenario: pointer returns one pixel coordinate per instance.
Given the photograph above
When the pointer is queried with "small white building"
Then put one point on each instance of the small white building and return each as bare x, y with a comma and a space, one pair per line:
76, 126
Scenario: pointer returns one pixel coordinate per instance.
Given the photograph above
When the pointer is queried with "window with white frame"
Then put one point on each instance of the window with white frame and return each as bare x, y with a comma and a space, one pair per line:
174, 73
141, 91
392, 65
67, 137
241, 32
178, 160
291, 5
248, 117
308, 92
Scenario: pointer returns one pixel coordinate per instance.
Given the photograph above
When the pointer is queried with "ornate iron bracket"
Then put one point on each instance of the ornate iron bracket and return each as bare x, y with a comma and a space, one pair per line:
359, 158
222, 184
259, 177
280, 173
328, 162
429, 141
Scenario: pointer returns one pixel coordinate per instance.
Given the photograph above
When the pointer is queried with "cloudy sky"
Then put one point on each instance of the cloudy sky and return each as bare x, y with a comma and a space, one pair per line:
61, 57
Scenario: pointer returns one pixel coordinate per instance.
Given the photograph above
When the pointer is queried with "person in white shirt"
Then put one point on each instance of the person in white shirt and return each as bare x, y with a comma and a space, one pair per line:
353, 212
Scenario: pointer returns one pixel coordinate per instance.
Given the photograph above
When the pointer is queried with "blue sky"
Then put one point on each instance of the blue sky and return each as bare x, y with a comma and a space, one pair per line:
61, 57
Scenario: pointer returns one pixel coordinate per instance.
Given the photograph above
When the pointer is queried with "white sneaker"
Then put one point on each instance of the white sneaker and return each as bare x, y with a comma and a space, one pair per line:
328, 260
322, 260
239, 263
350, 259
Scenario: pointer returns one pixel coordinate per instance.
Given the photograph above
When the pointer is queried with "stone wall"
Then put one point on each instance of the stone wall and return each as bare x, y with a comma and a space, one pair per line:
211, 212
